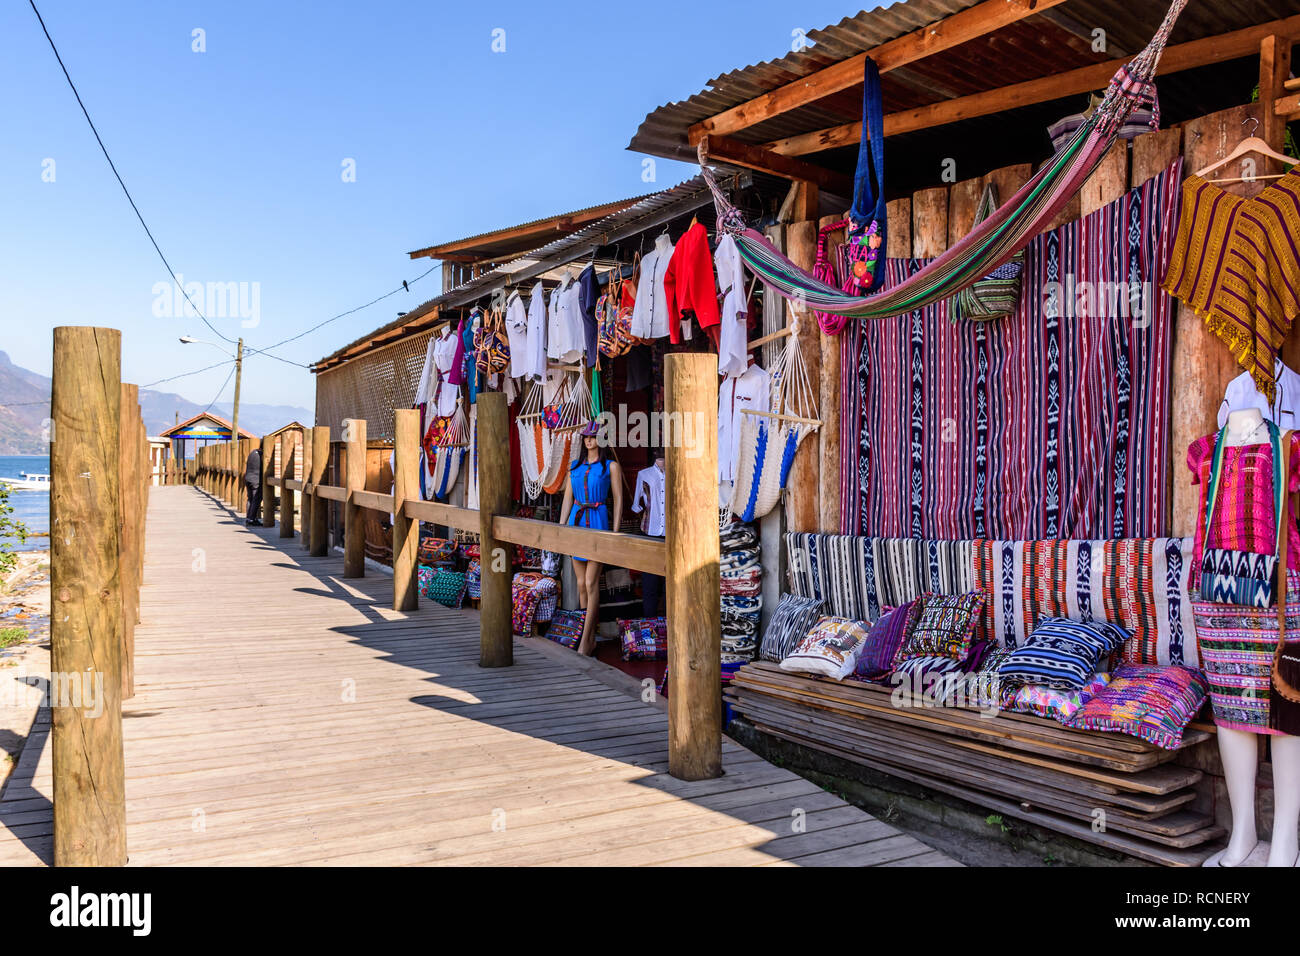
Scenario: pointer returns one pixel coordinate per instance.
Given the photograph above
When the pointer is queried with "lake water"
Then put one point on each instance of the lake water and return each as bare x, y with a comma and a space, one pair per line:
32, 508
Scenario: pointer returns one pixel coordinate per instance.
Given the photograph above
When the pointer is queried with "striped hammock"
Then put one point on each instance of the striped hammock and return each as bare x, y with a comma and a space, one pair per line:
992, 242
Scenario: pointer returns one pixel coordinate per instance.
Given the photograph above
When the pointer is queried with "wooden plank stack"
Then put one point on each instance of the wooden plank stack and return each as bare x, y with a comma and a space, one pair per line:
1110, 789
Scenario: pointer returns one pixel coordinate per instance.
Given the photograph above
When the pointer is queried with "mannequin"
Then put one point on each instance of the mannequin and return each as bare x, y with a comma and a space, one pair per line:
1239, 749
595, 483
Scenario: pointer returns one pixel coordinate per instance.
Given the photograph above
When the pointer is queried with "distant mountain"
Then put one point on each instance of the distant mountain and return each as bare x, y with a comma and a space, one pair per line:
25, 406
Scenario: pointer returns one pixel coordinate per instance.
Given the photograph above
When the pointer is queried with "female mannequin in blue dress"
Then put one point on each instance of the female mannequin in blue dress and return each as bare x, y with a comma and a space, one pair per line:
593, 479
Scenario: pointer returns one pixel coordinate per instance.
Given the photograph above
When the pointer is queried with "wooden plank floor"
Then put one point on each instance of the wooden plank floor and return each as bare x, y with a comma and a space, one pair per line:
284, 715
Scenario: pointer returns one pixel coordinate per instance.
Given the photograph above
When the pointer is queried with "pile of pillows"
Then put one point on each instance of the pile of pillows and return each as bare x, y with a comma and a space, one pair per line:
930, 646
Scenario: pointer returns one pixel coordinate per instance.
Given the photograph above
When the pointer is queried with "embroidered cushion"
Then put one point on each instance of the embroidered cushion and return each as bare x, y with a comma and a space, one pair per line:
644, 638
447, 588
793, 618
474, 580
1153, 702
435, 551
831, 648
880, 653
1059, 705
566, 628
935, 677
1062, 654
945, 625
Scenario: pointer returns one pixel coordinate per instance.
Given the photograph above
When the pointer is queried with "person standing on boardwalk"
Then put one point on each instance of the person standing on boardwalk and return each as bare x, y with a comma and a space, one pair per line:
253, 485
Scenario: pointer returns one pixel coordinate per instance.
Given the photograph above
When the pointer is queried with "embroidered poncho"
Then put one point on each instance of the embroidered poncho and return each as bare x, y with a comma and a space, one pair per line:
1235, 264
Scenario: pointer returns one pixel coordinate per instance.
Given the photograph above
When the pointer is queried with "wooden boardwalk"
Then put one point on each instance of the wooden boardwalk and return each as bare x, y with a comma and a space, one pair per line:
284, 715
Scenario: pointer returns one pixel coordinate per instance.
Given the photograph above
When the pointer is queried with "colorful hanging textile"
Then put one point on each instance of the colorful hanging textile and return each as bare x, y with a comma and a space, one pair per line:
1050, 422
1236, 265
991, 243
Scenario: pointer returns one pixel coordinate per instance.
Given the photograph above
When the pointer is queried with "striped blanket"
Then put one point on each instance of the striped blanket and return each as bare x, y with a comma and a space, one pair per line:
1141, 584
1048, 423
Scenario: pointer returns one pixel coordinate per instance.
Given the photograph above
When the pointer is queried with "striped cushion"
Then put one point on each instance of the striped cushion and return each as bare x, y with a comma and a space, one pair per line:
793, 618
1150, 702
1062, 654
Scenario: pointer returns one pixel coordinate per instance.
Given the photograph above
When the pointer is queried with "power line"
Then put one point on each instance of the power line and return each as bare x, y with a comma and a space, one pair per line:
113, 166
219, 391
187, 374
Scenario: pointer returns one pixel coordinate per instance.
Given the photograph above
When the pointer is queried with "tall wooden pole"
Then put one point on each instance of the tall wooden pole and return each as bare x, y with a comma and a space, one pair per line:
320, 459
268, 469
406, 531
354, 533
85, 588
126, 511
803, 512
496, 648
691, 541
286, 474
305, 501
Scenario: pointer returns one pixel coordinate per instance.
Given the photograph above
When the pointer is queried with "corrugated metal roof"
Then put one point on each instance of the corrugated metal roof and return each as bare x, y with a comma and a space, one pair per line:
643, 214
1046, 43
488, 236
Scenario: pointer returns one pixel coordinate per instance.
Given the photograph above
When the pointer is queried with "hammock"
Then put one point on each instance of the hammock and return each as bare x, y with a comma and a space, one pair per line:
991, 243
471, 476
448, 451
768, 442
534, 440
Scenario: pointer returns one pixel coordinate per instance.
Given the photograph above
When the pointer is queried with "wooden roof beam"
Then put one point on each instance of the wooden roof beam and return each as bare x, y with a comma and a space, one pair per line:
1184, 56
968, 24
565, 223
749, 156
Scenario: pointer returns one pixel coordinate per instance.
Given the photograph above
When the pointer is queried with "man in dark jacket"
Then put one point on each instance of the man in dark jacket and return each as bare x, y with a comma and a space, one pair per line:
253, 484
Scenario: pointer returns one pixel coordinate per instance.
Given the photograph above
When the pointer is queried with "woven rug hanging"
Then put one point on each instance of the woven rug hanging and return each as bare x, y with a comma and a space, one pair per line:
768, 441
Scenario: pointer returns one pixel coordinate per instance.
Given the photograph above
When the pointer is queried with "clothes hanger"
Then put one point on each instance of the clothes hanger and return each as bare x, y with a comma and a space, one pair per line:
1251, 144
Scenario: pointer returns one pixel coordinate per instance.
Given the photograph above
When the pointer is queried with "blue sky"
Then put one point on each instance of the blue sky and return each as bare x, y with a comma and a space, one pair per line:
235, 155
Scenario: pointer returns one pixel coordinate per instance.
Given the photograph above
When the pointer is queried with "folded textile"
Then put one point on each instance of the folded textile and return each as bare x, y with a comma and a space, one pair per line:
736, 536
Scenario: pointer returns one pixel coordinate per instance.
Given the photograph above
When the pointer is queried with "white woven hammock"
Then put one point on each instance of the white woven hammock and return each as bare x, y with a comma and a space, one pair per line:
447, 455
768, 441
534, 440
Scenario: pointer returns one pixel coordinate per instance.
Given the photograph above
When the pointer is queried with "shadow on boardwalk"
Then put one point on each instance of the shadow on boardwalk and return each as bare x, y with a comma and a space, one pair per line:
285, 715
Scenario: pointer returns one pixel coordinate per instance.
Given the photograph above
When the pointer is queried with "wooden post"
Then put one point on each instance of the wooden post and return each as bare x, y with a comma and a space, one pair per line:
694, 605
406, 484
320, 459
1274, 69
241, 497
829, 403
496, 646
803, 513
354, 531
86, 594
268, 469
305, 501
286, 475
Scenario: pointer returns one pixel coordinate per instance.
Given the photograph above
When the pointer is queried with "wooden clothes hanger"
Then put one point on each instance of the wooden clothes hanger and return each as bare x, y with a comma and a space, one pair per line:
1251, 144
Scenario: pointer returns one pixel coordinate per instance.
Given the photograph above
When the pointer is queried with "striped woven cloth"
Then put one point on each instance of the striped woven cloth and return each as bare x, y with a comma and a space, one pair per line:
1236, 265
1141, 584
1051, 422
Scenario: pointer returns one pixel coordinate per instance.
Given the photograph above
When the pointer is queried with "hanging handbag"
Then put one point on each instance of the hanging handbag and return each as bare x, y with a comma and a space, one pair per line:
491, 347
866, 246
824, 270
1242, 577
614, 337
998, 293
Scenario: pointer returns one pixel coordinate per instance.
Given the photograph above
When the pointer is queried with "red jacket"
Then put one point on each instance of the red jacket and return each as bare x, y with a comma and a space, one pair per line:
688, 283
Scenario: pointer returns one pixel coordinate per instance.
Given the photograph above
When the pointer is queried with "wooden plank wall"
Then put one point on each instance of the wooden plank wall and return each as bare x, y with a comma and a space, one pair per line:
931, 220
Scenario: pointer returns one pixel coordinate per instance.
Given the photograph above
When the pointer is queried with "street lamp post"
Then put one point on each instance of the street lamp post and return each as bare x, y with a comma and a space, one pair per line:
239, 372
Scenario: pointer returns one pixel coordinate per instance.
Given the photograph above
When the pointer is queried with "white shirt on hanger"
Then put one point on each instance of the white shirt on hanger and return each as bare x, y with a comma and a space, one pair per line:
650, 311
427, 390
649, 498
445, 356
731, 286
534, 366
565, 341
1242, 393
748, 390
517, 333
